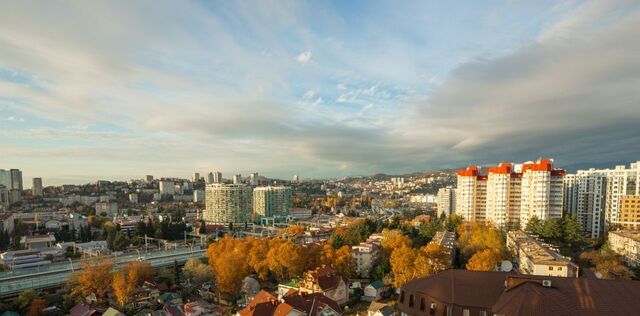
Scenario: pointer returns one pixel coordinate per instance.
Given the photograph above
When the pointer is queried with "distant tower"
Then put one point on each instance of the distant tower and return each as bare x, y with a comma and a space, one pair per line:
217, 177
253, 179
196, 177
37, 187
295, 179
237, 179
210, 178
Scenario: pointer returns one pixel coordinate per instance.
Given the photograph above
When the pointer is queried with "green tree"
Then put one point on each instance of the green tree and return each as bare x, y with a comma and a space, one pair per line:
572, 232
534, 226
552, 229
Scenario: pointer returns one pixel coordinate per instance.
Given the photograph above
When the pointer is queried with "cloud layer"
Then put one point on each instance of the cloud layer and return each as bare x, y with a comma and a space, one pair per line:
117, 90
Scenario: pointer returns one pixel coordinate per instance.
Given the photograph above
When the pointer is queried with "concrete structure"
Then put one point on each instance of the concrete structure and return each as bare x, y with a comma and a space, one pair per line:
198, 196
195, 177
166, 187
237, 179
133, 198
295, 179
210, 178
38, 242
227, 203
584, 198
509, 195
536, 258
446, 240
217, 177
366, 255
109, 208
5, 178
627, 244
446, 200
16, 179
148, 178
36, 188
373, 291
271, 202
253, 178
629, 212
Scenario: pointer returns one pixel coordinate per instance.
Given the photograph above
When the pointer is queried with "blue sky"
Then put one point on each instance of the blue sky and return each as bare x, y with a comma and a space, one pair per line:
119, 89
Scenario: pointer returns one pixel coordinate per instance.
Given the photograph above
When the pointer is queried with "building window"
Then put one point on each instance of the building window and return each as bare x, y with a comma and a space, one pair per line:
401, 297
449, 310
483, 313
411, 300
465, 312
559, 268
422, 304
550, 268
432, 308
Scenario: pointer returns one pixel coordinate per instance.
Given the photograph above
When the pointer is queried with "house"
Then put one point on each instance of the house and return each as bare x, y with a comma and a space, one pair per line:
112, 312
374, 291
324, 280
366, 256
462, 292
82, 310
380, 309
294, 303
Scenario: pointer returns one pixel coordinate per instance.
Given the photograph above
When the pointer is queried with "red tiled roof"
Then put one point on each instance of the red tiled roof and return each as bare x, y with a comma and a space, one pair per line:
263, 304
471, 171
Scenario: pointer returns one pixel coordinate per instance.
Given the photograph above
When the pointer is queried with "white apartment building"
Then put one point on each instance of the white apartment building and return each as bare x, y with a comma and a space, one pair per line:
237, 179
509, 195
627, 244
217, 177
36, 189
253, 178
195, 177
541, 191
446, 200
536, 258
166, 187
227, 203
366, 255
584, 197
272, 201
595, 195
210, 179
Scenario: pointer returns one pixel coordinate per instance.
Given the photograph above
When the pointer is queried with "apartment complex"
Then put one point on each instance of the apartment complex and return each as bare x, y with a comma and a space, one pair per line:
166, 187
446, 200
627, 244
537, 258
447, 241
629, 212
510, 194
596, 197
227, 203
366, 255
36, 189
272, 202
479, 293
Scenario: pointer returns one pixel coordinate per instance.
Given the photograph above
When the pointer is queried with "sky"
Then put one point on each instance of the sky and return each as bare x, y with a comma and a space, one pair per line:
118, 89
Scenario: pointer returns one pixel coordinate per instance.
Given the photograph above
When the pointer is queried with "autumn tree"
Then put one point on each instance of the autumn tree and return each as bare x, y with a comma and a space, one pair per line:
197, 272
475, 237
607, 263
484, 260
341, 259
95, 278
408, 263
227, 258
129, 279
286, 260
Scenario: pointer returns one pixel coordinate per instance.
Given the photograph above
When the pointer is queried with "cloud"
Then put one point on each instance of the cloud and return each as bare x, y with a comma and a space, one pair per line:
304, 57
15, 119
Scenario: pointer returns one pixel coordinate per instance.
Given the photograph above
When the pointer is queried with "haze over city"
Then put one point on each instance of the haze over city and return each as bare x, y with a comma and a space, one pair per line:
114, 89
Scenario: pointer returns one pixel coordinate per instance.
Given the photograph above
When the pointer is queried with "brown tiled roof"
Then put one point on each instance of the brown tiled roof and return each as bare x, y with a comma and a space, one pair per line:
518, 295
311, 304
263, 304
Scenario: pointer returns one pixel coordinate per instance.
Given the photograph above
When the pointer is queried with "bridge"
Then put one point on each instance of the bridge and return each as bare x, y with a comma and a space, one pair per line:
57, 274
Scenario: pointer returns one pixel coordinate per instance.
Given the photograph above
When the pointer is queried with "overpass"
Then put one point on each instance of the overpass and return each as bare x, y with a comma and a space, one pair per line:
55, 275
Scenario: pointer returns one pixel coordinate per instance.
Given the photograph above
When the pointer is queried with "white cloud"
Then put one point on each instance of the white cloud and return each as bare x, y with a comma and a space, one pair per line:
304, 57
15, 119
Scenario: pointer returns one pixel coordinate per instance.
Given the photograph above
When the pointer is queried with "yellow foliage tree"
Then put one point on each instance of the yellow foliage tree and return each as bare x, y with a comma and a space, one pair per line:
129, 279
408, 263
484, 260
95, 278
394, 239
257, 256
227, 258
475, 237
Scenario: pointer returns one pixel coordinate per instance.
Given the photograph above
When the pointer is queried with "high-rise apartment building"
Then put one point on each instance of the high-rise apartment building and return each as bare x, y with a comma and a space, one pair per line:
584, 198
217, 177
595, 196
227, 203
5, 179
446, 200
166, 187
630, 212
253, 178
210, 178
195, 177
148, 178
541, 191
271, 201
509, 195
237, 179
16, 179
36, 189
295, 179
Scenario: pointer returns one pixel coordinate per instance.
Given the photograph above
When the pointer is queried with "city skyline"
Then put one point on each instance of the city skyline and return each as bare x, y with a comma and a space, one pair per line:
322, 90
